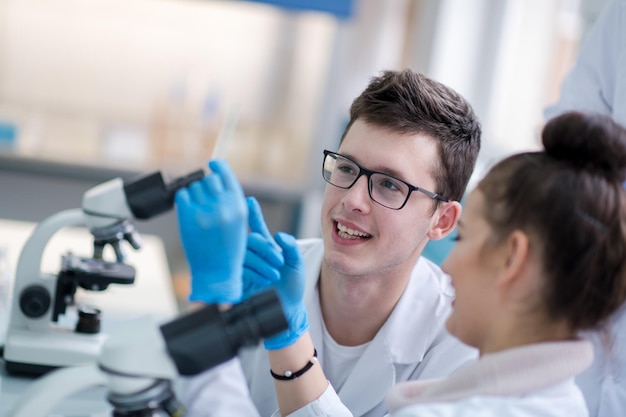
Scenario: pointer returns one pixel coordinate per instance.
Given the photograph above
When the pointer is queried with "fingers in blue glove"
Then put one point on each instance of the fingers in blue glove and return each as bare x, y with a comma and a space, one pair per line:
255, 218
290, 287
182, 198
256, 221
204, 191
291, 252
212, 186
229, 179
198, 193
263, 256
212, 216
263, 260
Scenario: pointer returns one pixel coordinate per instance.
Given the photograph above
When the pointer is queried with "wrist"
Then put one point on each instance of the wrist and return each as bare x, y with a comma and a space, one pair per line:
298, 325
207, 290
294, 393
291, 375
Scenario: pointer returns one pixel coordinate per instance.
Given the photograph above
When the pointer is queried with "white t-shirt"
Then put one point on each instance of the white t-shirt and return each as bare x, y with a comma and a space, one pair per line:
339, 360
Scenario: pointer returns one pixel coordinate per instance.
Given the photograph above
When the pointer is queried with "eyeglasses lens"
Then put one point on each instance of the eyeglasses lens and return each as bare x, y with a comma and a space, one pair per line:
383, 189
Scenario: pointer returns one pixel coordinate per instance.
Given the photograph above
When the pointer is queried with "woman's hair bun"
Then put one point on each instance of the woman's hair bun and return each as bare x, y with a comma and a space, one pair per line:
589, 141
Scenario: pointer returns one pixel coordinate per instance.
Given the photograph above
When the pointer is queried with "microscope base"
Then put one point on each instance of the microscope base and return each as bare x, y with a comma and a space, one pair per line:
27, 369
35, 353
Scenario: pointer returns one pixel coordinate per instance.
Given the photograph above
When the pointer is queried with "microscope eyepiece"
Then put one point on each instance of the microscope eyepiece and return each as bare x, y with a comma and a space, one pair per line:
150, 195
207, 337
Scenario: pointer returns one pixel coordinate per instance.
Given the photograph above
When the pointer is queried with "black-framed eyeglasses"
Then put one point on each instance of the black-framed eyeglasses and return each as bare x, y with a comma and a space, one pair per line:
384, 189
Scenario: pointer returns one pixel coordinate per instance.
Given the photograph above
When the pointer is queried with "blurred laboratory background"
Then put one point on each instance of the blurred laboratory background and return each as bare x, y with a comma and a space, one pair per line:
96, 89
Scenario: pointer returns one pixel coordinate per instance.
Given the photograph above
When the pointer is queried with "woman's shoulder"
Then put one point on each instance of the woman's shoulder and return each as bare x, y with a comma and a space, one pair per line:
526, 406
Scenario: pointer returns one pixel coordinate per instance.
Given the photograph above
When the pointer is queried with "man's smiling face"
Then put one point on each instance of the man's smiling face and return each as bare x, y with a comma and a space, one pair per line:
361, 237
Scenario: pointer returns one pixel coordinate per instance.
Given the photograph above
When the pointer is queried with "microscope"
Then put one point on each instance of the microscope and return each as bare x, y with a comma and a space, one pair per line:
139, 362
36, 340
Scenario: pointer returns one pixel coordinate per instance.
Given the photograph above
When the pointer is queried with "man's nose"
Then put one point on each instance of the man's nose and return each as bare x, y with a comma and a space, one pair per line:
357, 197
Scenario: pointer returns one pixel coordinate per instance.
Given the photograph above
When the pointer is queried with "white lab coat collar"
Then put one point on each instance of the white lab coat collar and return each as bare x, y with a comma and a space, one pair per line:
419, 297
511, 372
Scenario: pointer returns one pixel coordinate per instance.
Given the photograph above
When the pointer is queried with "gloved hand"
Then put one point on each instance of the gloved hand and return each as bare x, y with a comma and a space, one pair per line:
212, 215
264, 257
266, 267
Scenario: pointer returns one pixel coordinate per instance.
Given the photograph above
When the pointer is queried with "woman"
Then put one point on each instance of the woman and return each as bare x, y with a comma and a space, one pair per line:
540, 257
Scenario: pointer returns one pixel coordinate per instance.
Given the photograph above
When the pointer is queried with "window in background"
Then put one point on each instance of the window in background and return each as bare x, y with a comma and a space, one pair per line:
508, 57
141, 83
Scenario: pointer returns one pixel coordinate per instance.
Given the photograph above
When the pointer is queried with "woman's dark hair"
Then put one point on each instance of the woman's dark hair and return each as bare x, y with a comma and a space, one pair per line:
570, 200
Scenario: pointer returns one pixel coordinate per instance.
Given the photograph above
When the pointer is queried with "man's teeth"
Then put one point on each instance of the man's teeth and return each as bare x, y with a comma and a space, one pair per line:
347, 233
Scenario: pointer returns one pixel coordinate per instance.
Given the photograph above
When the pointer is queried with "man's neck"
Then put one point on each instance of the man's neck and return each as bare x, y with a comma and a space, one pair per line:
355, 308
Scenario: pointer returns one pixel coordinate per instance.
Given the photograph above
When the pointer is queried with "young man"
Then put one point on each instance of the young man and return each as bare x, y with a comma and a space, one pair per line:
405, 159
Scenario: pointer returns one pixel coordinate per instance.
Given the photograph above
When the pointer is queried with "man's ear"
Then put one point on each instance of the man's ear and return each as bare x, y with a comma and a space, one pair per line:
446, 217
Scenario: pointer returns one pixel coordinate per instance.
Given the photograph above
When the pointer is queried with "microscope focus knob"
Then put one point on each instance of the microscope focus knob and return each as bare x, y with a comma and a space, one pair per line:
35, 301
88, 320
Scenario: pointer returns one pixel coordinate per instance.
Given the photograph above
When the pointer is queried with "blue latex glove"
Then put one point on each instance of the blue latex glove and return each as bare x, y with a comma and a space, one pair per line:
212, 215
264, 257
266, 267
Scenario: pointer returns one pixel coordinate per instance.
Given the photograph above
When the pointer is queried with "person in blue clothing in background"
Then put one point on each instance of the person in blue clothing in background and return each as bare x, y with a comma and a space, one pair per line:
597, 82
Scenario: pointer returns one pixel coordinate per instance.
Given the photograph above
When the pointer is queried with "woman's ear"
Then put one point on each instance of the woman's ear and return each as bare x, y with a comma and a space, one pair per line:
446, 217
515, 256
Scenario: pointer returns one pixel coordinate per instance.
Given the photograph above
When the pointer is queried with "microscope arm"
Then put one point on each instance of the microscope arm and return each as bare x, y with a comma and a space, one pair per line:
29, 262
28, 271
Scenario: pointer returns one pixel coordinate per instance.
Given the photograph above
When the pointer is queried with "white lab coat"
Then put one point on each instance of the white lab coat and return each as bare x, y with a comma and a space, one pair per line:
219, 391
528, 381
412, 344
604, 383
597, 83
563, 400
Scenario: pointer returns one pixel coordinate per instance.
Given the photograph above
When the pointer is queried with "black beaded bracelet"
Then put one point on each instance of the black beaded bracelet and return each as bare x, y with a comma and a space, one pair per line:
288, 375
